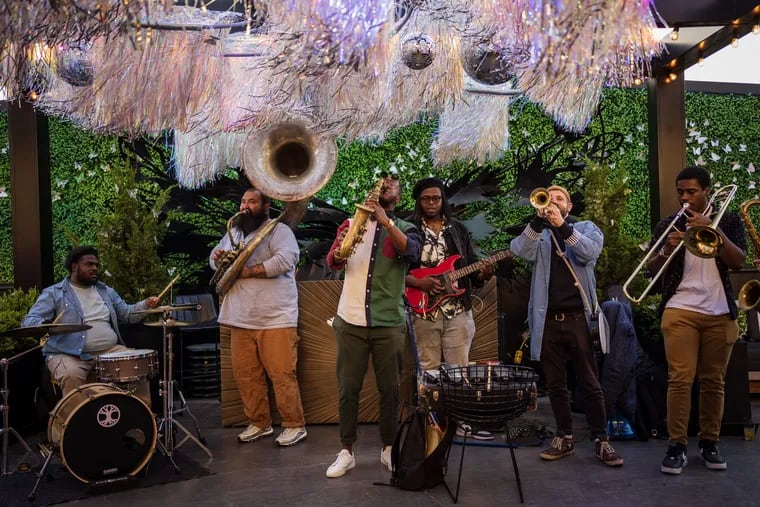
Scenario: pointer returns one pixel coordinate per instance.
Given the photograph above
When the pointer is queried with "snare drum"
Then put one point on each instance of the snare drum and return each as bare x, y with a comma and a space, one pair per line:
102, 432
127, 366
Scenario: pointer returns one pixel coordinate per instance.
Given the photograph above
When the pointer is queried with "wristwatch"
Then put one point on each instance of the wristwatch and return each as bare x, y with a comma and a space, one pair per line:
390, 225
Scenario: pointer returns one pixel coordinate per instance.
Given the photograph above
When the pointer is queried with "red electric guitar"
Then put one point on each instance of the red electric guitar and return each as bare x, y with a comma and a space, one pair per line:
423, 302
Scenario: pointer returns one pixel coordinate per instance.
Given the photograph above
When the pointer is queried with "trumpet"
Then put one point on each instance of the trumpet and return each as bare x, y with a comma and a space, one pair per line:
540, 198
701, 240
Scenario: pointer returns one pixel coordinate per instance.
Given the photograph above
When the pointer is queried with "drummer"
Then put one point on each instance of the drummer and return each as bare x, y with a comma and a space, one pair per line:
82, 299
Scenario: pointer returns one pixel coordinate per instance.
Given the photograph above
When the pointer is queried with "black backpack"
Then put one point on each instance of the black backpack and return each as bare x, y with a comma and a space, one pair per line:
412, 469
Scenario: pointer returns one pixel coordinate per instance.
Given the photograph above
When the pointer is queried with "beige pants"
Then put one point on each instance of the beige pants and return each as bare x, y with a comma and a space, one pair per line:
70, 372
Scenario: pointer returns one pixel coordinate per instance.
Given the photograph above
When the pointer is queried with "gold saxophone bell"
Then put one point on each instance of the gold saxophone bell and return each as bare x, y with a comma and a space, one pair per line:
749, 294
359, 223
540, 198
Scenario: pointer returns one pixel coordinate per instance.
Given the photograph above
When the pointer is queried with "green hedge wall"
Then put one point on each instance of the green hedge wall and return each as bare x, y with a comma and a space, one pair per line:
722, 130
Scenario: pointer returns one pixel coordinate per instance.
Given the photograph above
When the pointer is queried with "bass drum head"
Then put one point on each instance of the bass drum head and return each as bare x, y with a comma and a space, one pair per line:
110, 434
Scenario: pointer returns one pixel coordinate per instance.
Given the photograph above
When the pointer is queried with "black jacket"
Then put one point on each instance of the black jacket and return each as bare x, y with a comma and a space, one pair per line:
458, 241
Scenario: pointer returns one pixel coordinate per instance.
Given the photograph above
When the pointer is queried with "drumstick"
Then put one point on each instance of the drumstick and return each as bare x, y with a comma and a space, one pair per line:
58, 317
163, 292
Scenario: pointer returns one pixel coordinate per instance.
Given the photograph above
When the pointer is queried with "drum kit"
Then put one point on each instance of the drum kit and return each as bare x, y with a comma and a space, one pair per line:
104, 432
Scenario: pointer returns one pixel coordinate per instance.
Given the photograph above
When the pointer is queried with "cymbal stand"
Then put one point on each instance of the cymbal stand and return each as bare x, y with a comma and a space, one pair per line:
6, 430
166, 425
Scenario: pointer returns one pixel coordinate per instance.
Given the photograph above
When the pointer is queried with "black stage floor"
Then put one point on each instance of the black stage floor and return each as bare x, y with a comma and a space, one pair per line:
261, 473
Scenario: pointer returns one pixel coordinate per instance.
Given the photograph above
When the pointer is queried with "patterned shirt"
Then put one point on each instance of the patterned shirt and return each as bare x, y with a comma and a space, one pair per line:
433, 253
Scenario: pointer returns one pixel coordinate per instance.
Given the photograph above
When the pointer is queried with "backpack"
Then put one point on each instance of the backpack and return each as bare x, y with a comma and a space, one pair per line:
413, 468
651, 401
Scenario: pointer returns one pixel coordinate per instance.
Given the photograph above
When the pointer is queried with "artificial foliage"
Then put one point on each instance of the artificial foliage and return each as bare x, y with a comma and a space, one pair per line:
722, 134
605, 195
14, 305
129, 236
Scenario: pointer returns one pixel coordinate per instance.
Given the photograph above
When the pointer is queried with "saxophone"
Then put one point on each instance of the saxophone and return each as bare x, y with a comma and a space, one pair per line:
358, 225
224, 264
749, 294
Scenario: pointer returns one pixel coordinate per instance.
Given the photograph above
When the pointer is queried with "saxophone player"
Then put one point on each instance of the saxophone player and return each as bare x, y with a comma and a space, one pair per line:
261, 311
370, 320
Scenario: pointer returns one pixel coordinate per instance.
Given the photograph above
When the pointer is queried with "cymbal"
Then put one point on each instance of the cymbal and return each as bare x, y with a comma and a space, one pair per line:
43, 329
172, 308
169, 323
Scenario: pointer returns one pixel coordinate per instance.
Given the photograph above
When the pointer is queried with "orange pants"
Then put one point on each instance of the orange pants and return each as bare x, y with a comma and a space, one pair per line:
258, 353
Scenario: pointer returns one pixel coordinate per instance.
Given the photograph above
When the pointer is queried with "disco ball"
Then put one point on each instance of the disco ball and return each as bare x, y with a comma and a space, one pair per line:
417, 51
74, 66
485, 64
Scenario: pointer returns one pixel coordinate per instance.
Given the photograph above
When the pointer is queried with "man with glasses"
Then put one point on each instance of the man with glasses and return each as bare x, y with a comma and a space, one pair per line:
446, 331
371, 320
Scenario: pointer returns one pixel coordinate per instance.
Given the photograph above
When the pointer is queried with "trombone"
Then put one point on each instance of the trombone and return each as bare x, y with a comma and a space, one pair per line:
701, 240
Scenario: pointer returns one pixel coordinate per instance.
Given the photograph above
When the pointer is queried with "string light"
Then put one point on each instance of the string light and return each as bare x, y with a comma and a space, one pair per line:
674, 34
672, 76
701, 59
756, 25
637, 81
734, 40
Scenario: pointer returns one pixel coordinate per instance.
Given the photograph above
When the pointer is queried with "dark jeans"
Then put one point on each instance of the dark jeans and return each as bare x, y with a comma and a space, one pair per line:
570, 339
354, 346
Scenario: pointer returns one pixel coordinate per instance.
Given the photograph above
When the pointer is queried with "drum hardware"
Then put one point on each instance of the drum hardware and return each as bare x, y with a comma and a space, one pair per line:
102, 434
42, 332
167, 425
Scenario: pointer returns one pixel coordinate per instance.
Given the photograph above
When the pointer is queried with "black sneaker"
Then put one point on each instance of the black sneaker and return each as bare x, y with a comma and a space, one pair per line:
674, 460
708, 451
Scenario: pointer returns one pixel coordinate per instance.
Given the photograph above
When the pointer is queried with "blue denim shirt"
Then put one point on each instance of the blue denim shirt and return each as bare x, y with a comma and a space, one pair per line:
582, 248
60, 297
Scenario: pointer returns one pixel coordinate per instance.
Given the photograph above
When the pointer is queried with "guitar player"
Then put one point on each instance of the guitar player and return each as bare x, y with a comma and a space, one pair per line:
447, 330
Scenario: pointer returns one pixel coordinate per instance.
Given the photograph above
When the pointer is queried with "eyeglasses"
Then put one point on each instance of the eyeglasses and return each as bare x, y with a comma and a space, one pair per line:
434, 199
392, 176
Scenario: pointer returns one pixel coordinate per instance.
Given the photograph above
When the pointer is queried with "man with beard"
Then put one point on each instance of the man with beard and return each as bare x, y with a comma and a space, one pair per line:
261, 310
449, 328
371, 319
82, 299
559, 317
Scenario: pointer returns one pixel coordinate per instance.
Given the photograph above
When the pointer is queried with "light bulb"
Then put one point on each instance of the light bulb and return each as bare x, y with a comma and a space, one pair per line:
674, 34
734, 42
755, 29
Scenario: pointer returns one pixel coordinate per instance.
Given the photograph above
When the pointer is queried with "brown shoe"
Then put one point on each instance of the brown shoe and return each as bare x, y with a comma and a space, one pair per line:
561, 447
607, 454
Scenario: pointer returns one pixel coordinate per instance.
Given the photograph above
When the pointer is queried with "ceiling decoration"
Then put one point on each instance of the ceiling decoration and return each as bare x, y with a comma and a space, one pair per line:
216, 71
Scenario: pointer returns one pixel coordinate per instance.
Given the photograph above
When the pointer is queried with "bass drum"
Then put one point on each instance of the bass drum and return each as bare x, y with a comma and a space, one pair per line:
102, 432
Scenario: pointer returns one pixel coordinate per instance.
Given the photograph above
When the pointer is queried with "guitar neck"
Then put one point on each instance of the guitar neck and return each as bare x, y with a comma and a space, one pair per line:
477, 266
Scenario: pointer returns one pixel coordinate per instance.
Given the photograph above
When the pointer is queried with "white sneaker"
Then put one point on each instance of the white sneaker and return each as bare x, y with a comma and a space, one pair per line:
291, 436
465, 430
385, 457
253, 432
343, 463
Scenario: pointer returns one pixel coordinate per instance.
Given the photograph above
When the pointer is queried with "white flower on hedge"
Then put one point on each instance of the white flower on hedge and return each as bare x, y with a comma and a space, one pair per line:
353, 184
742, 147
727, 148
751, 185
77, 166
329, 201
399, 159
113, 147
411, 152
105, 167
700, 161
641, 127
344, 201
107, 273
736, 166
132, 193
171, 271
4, 150
90, 173
60, 183
3, 193
92, 155
751, 168
56, 196
706, 123
714, 156
692, 124
393, 169
629, 138
701, 140
714, 143
697, 150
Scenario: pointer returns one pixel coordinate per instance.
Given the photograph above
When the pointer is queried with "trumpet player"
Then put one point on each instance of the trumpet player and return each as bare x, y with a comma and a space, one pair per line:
698, 323
560, 313
371, 320
261, 310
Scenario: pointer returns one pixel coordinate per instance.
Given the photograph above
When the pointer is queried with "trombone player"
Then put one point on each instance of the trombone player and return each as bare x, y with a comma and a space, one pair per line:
698, 322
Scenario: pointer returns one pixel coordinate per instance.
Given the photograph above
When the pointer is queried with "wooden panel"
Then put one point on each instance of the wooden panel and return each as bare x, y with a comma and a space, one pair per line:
317, 302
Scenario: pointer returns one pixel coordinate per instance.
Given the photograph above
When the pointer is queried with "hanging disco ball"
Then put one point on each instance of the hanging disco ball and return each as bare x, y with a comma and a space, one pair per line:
417, 51
74, 66
485, 64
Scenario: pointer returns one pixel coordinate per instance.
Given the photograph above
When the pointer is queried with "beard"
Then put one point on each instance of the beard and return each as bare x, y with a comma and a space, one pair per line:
249, 222
81, 277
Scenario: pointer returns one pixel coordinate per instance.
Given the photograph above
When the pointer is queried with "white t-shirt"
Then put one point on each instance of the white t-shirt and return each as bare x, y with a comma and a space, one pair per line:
701, 289
101, 335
